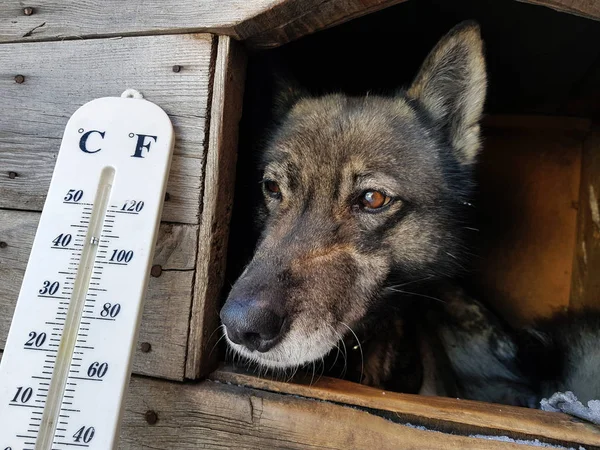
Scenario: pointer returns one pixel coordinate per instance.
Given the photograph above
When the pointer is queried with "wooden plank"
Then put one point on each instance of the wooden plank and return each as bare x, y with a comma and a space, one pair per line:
213, 415
528, 192
63, 19
61, 76
265, 23
166, 312
295, 18
219, 182
585, 290
161, 414
583, 8
445, 413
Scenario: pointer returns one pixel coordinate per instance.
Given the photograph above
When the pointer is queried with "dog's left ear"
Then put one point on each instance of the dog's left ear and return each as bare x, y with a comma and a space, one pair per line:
451, 85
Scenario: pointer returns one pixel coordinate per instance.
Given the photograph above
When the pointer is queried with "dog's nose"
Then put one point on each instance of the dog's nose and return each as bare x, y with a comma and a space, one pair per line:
254, 326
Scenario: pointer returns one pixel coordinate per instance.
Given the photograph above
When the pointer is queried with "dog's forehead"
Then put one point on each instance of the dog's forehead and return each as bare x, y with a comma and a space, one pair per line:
325, 136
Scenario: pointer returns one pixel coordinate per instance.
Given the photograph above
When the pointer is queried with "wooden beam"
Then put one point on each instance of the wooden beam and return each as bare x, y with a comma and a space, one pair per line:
166, 312
219, 180
64, 19
59, 77
436, 412
294, 19
264, 23
585, 288
214, 415
584, 8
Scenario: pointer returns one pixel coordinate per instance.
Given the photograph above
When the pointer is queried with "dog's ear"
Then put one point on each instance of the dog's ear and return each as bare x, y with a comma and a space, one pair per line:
451, 85
287, 93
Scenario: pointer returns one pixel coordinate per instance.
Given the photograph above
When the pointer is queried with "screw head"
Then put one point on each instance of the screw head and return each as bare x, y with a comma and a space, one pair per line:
177, 68
151, 417
3, 244
156, 271
12, 175
19, 79
28, 10
146, 347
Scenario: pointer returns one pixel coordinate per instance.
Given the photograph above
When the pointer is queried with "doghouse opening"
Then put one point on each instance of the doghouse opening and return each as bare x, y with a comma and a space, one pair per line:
536, 200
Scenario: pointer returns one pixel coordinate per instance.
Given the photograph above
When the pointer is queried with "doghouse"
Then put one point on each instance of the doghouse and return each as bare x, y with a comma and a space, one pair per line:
539, 180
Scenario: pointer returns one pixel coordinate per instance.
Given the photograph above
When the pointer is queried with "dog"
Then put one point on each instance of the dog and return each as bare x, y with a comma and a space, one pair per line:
364, 224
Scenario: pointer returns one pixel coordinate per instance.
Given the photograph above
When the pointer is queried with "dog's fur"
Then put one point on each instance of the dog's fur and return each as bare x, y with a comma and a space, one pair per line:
332, 273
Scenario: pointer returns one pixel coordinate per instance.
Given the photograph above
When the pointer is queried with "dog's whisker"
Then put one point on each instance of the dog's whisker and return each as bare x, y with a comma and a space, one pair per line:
216, 343
419, 295
409, 282
362, 361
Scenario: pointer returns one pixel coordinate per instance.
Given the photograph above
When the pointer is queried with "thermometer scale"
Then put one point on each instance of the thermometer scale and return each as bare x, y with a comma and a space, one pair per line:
67, 361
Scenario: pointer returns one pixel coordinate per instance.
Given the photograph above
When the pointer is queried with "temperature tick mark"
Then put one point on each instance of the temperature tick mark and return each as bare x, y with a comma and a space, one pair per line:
39, 349
85, 379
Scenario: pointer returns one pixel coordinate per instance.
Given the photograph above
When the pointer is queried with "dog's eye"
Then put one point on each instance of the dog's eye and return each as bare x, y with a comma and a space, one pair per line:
272, 189
372, 200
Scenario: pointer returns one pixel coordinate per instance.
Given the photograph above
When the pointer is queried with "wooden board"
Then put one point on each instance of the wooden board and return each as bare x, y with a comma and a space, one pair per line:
217, 416
527, 207
585, 290
219, 183
436, 412
213, 415
165, 319
583, 8
59, 77
265, 23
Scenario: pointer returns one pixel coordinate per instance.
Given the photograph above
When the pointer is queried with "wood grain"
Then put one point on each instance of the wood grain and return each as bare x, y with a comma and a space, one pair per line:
583, 8
219, 182
217, 416
61, 76
264, 23
166, 312
445, 413
293, 19
585, 291
528, 187
65, 19
211, 415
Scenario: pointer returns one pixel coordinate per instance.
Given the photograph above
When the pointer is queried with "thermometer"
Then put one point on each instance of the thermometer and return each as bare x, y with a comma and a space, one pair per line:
67, 361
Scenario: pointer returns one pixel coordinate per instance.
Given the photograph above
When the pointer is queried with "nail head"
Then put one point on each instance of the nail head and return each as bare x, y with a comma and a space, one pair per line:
12, 175
19, 79
176, 68
151, 417
28, 11
3, 244
156, 271
146, 347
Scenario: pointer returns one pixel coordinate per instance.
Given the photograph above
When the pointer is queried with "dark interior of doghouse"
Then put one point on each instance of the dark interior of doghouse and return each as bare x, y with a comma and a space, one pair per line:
544, 92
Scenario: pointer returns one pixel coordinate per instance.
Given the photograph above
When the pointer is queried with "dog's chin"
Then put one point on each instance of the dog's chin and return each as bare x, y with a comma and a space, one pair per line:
291, 352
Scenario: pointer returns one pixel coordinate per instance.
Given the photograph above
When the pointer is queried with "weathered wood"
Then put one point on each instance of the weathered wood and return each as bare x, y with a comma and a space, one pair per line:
445, 413
528, 191
61, 76
265, 23
217, 416
166, 312
293, 19
219, 182
585, 289
63, 19
583, 8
